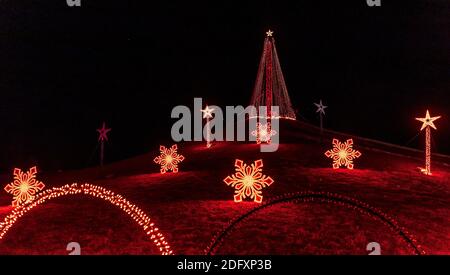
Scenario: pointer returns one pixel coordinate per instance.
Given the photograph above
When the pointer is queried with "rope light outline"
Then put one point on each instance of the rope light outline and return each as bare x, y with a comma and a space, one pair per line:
93, 191
321, 197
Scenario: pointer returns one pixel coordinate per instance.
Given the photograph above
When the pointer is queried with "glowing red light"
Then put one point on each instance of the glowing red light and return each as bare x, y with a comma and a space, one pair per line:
24, 186
428, 123
130, 209
343, 154
270, 87
263, 133
168, 159
103, 133
248, 181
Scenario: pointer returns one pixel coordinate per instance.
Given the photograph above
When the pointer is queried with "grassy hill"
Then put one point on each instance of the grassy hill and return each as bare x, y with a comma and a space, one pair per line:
192, 206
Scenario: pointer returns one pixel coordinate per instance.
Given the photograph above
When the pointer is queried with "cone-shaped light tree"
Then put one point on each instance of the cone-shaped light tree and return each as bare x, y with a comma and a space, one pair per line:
270, 87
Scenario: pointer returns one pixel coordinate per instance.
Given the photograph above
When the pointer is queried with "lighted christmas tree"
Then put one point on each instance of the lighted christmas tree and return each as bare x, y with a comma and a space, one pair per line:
270, 87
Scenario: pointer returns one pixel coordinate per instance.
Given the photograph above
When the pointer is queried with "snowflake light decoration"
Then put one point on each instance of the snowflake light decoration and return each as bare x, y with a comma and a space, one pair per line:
343, 154
168, 159
263, 133
248, 181
24, 186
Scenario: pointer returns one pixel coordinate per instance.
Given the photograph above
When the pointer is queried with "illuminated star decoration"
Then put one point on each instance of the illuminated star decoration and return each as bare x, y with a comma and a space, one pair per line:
24, 186
343, 154
263, 133
168, 159
207, 112
428, 121
269, 33
248, 181
103, 133
320, 107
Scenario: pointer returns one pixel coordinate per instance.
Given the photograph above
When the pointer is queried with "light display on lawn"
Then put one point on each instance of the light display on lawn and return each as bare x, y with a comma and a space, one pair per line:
343, 154
94, 191
428, 123
263, 133
248, 181
24, 186
168, 159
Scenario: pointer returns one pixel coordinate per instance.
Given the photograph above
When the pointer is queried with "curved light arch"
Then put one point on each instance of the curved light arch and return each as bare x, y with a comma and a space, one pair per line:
322, 197
97, 192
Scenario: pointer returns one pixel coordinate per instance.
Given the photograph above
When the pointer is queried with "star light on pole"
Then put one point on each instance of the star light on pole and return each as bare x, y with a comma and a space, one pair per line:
269, 33
321, 110
428, 123
102, 137
207, 113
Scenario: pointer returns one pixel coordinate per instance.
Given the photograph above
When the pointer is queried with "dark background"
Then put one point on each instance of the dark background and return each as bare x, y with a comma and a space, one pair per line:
65, 70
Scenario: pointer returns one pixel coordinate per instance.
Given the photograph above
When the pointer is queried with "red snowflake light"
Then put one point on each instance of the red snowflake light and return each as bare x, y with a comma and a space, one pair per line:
24, 186
169, 159
343, 154
263, 133
248, 181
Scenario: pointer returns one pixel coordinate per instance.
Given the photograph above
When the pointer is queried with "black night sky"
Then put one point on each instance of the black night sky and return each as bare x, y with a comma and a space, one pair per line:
65, 70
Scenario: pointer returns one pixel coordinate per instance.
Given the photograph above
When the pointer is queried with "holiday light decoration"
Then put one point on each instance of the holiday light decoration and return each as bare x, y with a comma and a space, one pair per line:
343, 154
320, 107
270, 88
263, 133
321, 110
207, 113
103, 133
168, 159
428, 123
102, 138
97, 192
337, 200
24, 186
248, 181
